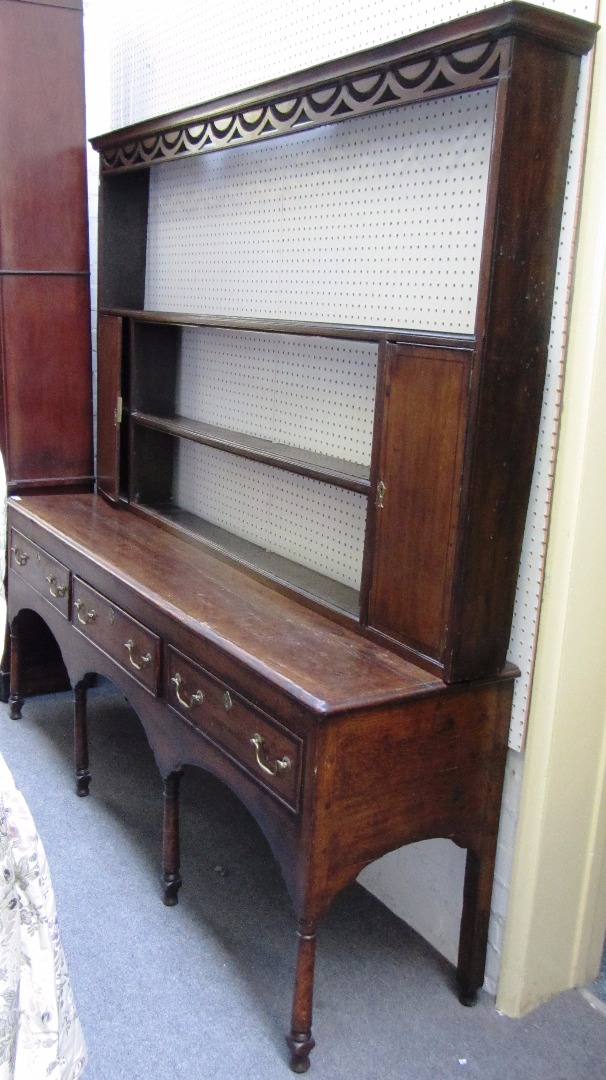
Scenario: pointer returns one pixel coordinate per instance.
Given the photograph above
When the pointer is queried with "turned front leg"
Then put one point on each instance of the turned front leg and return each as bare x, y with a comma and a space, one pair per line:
15, 698
81, 740
473, 940
171, 856
300, 1041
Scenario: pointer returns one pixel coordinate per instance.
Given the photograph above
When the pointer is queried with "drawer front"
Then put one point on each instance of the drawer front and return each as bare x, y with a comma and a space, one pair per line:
117, 634
265, 750
45, 574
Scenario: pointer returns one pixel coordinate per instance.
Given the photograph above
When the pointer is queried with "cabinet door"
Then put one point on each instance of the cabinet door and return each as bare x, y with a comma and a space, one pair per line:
109, 405
421, 414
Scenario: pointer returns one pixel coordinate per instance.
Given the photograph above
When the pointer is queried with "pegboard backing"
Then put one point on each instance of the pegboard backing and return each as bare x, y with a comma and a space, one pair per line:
312, 523
314, 394
376, 220
166, 57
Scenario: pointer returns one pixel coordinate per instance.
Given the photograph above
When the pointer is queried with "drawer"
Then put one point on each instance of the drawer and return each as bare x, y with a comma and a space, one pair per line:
117, 634
46, 575
260, 746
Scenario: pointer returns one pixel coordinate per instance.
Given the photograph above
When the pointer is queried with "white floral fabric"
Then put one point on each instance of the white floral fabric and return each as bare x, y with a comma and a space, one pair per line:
40, 1033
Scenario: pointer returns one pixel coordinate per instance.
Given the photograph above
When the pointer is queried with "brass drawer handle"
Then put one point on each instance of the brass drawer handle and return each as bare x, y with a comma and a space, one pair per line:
280, 765
89, 616
54, 588
145, 660
20, 557
194, 699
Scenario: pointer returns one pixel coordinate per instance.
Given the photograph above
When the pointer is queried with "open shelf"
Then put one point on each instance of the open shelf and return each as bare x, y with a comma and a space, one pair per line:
347, 332
281, 571
341, 473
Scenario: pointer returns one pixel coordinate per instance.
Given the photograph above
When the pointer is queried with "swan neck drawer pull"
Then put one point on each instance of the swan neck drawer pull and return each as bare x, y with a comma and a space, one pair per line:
194, 699
88, 617
143, 662
54, 588
280, 765
20, 557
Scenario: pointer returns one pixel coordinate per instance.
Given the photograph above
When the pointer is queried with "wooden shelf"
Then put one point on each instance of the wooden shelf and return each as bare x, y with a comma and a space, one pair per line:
345, 331
331, 470
283, 572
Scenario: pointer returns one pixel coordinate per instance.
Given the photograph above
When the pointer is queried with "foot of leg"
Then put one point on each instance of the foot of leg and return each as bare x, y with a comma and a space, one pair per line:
479, 872
15, 704
300, 1041
171, 856
468, 998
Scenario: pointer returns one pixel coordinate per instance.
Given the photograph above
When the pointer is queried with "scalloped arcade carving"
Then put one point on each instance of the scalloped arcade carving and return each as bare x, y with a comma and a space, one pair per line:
465, 69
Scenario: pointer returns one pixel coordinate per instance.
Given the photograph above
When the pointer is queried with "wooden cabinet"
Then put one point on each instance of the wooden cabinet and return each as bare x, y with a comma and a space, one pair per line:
45, 344
350, 715
45, 368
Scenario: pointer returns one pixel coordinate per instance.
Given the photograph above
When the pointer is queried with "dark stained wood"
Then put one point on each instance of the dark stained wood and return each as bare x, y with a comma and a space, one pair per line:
300, 1041
322, 467
43, 206
123, 240
347, 332
317, 662
15, 699
110, 403
45, 364
47, 380
423, 418
81, 740
551, 28
513, 326
41, 667
156, 349
360, 750
171, 857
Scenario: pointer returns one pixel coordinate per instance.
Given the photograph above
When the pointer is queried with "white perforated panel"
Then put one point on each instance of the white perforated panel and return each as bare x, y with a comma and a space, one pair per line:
376, 220
168, 56
287, 514
311, 393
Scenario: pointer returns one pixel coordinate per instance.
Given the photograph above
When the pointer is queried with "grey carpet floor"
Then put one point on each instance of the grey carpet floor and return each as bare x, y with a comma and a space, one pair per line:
202, 991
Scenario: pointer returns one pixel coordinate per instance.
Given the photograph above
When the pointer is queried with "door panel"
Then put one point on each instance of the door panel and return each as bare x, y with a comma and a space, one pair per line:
420, 451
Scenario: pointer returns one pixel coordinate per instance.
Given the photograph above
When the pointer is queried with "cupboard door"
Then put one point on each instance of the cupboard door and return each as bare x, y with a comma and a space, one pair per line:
422, 412
109, 405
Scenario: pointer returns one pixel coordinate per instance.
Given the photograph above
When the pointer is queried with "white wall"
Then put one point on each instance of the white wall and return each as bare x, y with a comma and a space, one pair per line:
145, 57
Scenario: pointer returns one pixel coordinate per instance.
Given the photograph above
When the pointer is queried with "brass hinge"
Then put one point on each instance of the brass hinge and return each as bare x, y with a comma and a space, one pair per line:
118, 412
379, 501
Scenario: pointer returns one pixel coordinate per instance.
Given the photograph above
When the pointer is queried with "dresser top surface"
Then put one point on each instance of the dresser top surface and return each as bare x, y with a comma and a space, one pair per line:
323, 665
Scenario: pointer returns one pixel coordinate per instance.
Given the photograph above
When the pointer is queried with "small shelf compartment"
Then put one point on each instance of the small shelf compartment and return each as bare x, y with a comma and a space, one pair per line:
266, 564
345, 474
303, 534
